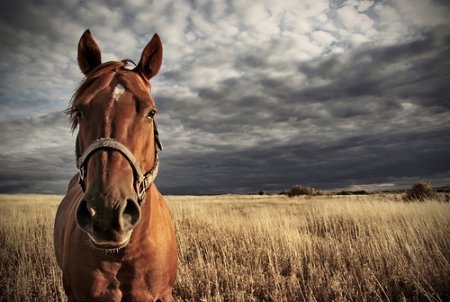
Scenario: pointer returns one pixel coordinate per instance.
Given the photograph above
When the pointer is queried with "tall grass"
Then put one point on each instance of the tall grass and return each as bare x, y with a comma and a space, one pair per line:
264, 248
316, 249
28, 270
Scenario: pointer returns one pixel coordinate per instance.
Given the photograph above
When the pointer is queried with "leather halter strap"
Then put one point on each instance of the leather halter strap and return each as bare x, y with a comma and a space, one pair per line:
142, 181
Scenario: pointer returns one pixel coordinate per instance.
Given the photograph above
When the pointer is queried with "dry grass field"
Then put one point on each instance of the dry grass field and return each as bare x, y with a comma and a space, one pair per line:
262, 248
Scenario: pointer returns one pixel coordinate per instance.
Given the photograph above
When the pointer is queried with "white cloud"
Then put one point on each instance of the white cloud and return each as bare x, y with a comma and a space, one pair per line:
363, 6
323, 38
355, 22
422, 12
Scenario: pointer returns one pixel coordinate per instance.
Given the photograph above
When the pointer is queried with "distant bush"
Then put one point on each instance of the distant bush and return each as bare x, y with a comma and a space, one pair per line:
298, 190
357, 192
444, 189
420, 191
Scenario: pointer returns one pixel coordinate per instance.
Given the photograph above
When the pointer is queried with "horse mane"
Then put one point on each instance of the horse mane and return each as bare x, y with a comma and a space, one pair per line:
112, 66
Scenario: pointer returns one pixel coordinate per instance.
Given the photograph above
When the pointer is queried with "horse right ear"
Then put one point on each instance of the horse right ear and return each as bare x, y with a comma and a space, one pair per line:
151, 58
89, 55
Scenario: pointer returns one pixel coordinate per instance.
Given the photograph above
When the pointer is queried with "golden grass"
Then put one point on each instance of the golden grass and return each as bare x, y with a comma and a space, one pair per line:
28, 267
262, 248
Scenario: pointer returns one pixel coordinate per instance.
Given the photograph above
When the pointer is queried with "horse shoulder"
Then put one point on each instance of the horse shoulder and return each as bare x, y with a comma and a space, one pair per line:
64, 219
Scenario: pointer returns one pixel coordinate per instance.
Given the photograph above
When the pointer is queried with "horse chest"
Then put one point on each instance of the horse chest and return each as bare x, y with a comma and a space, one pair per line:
112, 281
133, 281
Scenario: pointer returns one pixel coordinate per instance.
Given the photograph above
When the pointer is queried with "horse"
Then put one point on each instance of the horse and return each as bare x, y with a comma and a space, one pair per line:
114, 236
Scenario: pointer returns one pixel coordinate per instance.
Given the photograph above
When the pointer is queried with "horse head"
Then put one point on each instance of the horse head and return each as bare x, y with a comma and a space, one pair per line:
117, 141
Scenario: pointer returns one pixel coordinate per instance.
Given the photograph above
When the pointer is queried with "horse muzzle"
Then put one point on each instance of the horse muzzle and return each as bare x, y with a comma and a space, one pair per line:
108, 227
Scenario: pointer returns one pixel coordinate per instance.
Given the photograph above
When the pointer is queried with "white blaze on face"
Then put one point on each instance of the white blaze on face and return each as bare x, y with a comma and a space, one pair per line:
117, 92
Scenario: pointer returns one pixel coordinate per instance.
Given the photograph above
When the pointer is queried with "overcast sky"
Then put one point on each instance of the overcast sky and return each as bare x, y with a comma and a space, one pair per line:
251, 95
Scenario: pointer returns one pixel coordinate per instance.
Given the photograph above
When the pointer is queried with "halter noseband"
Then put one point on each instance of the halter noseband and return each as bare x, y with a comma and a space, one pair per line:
142, 181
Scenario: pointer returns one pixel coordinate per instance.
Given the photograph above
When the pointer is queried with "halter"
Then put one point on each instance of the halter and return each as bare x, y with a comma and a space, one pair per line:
142, 181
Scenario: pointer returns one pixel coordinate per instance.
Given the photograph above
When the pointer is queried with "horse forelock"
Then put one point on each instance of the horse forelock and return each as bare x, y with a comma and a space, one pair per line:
113, 67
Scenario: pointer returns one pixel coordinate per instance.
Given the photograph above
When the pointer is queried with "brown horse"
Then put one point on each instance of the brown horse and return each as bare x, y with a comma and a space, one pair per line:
114, 235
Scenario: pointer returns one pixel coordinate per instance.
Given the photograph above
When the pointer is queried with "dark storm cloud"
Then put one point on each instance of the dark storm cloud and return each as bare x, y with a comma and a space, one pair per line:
39, 156
414, 69
372, 82
251, 96
387, 108
334, 165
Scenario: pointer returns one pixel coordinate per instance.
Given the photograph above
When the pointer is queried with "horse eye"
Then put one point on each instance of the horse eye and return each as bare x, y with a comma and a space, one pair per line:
151, 114
78, 114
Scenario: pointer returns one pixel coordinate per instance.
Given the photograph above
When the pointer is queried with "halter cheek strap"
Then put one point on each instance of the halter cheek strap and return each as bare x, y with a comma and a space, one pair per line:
142, 181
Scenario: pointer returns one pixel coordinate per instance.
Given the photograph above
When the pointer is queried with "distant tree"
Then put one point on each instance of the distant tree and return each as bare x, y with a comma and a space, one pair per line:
420, 191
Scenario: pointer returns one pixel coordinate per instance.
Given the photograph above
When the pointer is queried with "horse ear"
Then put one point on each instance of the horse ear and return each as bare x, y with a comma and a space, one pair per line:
89, 55
151, 58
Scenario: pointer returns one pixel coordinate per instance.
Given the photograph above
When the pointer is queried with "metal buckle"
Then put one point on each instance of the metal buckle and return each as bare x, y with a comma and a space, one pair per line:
141, 189
81, 178
82, 173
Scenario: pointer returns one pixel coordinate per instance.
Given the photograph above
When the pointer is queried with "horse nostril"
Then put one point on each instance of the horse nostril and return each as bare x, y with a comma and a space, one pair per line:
130, 215
84, 215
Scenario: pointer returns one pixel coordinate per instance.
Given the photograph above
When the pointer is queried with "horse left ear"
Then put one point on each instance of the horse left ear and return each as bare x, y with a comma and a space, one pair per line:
89, 55
151, 58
